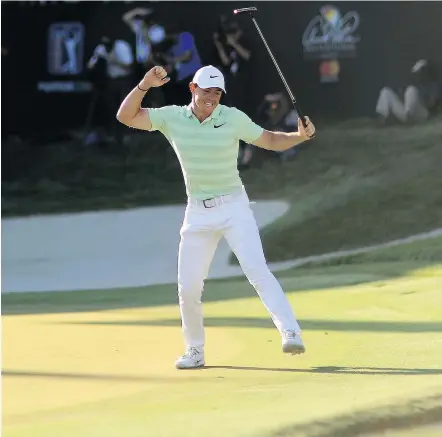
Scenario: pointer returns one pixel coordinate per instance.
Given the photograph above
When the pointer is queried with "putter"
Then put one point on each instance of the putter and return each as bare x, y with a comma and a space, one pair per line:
292, 97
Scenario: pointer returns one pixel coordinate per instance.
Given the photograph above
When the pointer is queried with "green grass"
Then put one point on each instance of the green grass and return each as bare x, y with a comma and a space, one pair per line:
69, 177
354, 185
417, 418
423, 431
97, 363
427, 250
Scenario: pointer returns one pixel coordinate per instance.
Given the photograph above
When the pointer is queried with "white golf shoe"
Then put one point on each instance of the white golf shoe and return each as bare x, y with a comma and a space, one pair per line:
193, 358
292, 343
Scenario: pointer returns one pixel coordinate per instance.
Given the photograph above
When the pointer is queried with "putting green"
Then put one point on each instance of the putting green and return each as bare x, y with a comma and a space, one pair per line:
109, 372
422, 431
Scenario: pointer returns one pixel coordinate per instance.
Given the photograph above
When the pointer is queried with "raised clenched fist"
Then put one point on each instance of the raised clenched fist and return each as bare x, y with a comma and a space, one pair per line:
155, 77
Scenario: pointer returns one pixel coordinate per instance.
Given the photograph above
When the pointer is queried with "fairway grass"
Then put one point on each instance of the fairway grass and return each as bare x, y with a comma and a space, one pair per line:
105, 366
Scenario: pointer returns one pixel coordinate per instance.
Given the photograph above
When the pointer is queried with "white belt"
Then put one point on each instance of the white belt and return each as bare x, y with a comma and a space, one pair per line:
218, 200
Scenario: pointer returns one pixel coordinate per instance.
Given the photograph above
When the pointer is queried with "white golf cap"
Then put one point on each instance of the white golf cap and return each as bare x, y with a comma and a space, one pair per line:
209, 77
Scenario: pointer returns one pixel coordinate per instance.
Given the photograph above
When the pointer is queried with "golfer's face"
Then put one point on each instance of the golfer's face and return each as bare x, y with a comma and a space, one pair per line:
207, 98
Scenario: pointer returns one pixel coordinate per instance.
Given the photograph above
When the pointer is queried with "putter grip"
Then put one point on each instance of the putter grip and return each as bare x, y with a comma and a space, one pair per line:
301, 115
304, 123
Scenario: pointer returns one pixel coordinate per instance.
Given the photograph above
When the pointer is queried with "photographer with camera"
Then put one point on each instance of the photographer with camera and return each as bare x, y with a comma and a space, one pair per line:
233, 60
273, 114
110, 69
181, 60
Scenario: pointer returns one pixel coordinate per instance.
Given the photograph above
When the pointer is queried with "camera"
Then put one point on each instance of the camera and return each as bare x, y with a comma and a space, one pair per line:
226, 27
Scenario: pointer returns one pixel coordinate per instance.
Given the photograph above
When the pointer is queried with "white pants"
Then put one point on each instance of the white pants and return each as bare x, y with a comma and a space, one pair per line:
200, 234
411, 109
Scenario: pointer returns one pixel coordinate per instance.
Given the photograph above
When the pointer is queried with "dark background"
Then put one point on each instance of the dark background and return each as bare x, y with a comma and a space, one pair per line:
393, 36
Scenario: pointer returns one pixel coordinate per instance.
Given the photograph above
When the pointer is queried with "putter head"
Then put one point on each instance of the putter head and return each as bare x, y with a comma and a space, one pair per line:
243, 10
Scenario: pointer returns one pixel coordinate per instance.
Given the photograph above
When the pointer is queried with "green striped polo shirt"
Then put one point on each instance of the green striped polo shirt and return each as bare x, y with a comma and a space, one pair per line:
207, 151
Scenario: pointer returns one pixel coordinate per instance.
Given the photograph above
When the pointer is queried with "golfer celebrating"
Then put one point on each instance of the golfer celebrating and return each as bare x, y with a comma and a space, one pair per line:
205, 137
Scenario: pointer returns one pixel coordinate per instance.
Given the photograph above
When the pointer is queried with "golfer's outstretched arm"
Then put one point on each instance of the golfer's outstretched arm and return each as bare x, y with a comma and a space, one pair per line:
280, 141
131, 113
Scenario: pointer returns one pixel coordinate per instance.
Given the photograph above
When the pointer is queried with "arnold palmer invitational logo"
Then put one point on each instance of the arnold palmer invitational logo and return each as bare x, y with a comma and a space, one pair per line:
330, 34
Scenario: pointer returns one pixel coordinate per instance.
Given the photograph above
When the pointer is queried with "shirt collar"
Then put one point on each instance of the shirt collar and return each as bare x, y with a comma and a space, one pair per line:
190, 114
188, 111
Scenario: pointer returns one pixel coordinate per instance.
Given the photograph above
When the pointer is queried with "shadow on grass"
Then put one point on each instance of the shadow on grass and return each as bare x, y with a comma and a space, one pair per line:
307, 324
339, 370
97, 377
332, 370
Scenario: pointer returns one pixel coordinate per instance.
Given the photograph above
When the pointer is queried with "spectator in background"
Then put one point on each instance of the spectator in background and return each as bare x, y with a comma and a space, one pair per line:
148, 33
273, 114
422, 97
233, 57
137, 20
111, 69
9, 119
182, 61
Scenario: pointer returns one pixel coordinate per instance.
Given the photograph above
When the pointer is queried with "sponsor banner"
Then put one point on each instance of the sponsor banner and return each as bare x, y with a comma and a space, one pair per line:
331, 35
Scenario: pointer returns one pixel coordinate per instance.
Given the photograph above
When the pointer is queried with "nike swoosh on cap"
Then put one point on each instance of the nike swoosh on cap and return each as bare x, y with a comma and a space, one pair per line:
212, 77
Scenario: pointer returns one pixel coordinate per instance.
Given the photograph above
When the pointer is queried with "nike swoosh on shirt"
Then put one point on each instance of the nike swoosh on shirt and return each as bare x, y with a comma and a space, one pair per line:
219, 125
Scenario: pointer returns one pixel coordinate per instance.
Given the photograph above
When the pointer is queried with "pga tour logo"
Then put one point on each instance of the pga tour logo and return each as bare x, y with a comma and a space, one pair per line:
65, 48
331, 34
